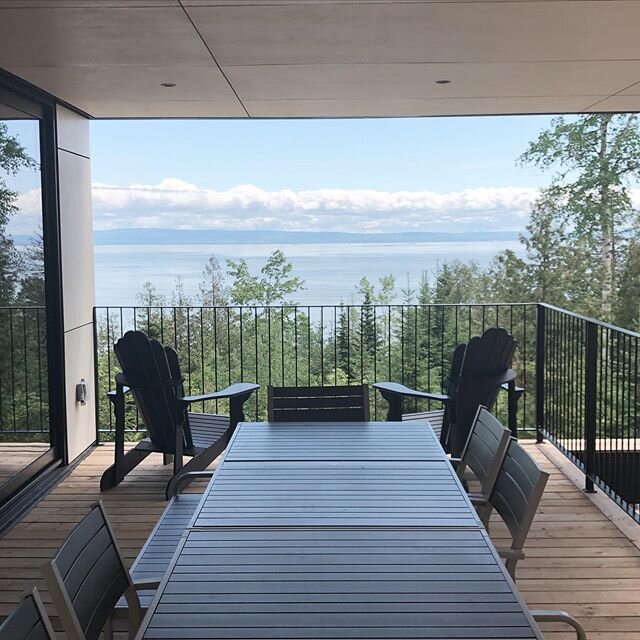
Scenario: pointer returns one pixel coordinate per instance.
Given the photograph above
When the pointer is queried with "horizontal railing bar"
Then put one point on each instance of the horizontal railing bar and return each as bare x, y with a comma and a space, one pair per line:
599, 323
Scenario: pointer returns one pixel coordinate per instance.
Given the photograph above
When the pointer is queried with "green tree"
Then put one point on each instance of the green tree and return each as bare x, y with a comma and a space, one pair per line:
274, 284
13, 158
213, 289
368, 327
508, 278
594, 158
32, 291
628, 305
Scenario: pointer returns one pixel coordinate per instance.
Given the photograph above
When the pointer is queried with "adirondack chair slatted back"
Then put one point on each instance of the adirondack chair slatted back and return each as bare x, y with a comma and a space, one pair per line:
486, 357
28, 621
485, 449
153, 385
517, 492
451, 388
87, 577
318, 404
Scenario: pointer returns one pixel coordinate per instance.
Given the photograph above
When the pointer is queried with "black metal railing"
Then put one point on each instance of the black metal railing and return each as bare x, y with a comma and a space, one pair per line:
24, 405
588, 400
580, 375
313, 345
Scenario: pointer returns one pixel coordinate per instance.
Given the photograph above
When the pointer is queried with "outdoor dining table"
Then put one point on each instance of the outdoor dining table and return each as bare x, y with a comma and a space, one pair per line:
326, 530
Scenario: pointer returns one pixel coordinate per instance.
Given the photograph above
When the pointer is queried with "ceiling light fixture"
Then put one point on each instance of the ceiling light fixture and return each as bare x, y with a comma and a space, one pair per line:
443, 81
168, 85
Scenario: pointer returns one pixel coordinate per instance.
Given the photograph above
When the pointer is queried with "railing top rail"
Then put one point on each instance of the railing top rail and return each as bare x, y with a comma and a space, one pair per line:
14, 307
321, 306
600, 323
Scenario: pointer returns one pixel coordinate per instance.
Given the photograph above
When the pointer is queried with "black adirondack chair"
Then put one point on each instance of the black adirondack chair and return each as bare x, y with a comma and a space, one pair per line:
479, 369
151, 372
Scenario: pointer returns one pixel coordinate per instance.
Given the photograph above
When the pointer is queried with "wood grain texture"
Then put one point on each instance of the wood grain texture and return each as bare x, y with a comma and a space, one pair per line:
15, 456
297, 441
330, 583
311, 493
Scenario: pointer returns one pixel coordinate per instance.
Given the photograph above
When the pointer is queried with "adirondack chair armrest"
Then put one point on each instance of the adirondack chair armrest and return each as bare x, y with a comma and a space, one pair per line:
516, 389
186, 478
113, 393
232, 391
550, 615
401, 390
506, 377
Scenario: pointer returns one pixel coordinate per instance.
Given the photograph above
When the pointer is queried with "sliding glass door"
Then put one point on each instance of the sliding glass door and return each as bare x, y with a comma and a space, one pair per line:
29, 438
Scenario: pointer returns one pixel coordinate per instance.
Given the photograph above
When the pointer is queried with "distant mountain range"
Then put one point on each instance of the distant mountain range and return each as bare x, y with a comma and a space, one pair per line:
213, 236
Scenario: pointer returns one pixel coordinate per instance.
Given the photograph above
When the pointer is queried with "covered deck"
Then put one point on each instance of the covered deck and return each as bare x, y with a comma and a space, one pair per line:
583, 553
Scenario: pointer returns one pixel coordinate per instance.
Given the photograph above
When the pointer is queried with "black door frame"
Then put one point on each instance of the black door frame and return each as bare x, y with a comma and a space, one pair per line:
33, 102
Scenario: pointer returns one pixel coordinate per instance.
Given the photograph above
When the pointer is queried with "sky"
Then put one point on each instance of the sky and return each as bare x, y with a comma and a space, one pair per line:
364, 175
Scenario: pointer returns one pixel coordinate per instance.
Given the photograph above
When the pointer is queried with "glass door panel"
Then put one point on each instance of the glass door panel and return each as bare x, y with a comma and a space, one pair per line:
25, 434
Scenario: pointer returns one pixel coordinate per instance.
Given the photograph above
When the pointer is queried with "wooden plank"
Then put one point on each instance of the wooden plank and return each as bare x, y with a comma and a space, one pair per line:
301, 594
407, 441
426, 494
611, 605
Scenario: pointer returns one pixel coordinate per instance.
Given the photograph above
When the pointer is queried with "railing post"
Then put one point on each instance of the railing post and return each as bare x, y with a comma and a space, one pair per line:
590, 404
541, 316
96, 377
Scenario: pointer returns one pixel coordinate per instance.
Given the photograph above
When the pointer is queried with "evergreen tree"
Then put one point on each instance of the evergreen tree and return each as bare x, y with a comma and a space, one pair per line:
627, 312
343, 342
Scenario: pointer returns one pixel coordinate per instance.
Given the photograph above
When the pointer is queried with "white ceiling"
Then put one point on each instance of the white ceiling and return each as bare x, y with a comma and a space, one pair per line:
314, 58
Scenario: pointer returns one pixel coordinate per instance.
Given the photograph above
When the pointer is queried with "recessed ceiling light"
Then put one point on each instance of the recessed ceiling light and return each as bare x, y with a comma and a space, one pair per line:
168, 85
443, 81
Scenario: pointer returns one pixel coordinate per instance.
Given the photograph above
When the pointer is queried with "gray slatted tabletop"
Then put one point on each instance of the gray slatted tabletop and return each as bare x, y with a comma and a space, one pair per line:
277, 442
378, 494
337, 583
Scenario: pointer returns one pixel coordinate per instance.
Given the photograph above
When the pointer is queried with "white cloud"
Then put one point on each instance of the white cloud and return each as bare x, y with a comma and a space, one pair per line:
177, 204
174, 203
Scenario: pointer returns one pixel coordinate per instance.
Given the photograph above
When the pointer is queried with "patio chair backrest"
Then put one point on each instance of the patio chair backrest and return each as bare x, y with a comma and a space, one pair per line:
485, 449
28, 621
153, 373
517, 492
486, 359
318, 404
88, 576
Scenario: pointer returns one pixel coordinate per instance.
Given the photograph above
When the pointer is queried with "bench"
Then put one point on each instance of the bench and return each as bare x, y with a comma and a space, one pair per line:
154, 557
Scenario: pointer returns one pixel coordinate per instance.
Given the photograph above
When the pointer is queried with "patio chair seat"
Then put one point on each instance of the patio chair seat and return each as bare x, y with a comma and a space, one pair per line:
206, 430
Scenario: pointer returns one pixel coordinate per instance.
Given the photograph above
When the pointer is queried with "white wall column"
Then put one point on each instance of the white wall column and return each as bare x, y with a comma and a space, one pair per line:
78, 283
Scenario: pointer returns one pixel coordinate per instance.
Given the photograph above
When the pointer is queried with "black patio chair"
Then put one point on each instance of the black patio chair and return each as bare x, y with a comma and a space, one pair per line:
483, 454
28, 621
318, 404
151, 372
479, 369
88, 576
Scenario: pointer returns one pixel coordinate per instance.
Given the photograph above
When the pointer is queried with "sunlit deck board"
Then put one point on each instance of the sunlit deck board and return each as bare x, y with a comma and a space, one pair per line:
15, 456
576, 558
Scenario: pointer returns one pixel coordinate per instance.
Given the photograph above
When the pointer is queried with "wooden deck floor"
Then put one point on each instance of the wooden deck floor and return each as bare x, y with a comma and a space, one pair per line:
577, 559
15, 456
